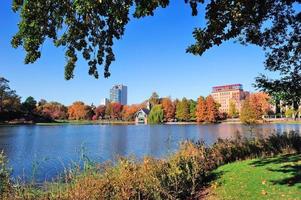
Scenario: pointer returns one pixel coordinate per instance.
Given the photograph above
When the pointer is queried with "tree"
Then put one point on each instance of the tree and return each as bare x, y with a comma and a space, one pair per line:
168, 109
156, 115
53, 110
273, 25
192, 109
154, 99
90, 111
212, 110
108, 111
247, 114
9, 100
201, 110
100, 112
90, 27
233, 112
42, 102
29, 105
79, 111
260, 102
128, 112
288, 87
276, 98
85, 27
182, 110
255, 106
113, 110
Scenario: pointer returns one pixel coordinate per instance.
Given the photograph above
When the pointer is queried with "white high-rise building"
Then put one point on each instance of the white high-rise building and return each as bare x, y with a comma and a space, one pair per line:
118, 94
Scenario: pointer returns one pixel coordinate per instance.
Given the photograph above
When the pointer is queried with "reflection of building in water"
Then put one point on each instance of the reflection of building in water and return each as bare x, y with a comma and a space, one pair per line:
227, 93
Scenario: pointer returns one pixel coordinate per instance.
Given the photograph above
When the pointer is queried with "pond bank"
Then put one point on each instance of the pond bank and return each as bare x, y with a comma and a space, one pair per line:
180, 176
119, 122
87, 122
67, 122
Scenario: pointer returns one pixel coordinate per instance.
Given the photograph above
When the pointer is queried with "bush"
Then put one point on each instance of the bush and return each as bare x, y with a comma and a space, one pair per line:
289, 113
4, 177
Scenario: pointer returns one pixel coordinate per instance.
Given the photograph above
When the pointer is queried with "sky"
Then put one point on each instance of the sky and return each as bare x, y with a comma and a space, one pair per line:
150, 57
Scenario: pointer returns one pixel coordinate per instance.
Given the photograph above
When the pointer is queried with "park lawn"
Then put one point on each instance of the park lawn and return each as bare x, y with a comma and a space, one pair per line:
287, 122
270, 178
84, 122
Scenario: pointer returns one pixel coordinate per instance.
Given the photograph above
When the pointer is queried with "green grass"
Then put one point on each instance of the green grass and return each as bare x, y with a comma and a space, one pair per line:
270, 178
82, 122
287, 122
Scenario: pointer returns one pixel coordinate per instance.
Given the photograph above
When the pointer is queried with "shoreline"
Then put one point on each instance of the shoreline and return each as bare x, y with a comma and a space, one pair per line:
68, 122
105, 122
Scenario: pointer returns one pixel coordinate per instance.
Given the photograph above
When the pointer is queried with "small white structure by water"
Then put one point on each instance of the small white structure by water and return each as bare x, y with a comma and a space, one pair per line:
141, 116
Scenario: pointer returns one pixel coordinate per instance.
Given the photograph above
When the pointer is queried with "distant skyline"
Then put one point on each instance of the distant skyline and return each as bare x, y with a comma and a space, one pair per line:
150, 57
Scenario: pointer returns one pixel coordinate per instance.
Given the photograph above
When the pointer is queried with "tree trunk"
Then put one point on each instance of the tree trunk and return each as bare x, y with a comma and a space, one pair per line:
277, 105
296, 110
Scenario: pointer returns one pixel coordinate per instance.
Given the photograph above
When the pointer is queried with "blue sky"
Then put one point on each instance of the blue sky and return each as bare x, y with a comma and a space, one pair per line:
150, 57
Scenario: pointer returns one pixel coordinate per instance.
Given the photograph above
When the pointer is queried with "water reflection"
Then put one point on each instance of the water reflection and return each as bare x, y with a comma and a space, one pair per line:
52, 148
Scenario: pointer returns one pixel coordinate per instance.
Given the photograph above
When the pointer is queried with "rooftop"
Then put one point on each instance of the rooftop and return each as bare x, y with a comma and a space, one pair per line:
227, 87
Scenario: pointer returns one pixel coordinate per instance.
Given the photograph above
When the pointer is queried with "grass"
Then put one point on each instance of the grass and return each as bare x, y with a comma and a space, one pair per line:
287, 122
82, 122
270, 178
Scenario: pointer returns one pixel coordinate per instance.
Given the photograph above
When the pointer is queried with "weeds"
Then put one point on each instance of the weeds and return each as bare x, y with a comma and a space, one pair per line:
5, 185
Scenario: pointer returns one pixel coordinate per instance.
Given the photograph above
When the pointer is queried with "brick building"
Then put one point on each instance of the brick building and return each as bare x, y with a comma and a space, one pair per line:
227, 93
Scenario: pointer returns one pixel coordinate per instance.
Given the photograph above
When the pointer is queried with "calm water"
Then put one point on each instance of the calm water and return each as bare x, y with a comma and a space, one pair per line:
51, 148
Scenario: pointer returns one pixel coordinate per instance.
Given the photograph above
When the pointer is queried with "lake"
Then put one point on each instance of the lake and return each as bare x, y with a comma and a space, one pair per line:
49, 149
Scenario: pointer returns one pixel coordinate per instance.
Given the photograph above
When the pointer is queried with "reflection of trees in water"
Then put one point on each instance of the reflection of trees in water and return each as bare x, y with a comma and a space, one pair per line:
160, 140
210, 133
289, 127
117, 141
169, 140
259, 131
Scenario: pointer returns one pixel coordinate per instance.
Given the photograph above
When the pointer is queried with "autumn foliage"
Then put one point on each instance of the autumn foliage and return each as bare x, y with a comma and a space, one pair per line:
254, 107
79, 111
168, 109
113, 111
260, 103
54, 110
207, 110
212, 110
128, 112
185, 110
99, 112
201, 110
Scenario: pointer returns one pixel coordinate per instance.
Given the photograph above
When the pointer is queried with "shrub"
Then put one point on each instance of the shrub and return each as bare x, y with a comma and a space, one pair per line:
289, 113
4, 177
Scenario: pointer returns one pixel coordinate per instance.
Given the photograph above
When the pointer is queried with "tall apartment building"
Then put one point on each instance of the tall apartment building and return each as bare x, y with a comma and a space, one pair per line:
118, 94
227, 93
